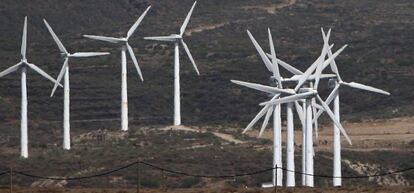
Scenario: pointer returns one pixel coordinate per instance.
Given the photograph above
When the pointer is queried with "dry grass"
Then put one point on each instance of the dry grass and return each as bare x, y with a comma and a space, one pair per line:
224, 190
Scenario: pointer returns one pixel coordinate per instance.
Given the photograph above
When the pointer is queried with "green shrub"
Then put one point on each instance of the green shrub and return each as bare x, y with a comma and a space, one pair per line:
189, 182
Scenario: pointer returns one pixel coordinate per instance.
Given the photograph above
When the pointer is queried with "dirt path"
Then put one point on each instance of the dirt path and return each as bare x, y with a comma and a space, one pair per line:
391, 134
375, 135
225, 137
271, 9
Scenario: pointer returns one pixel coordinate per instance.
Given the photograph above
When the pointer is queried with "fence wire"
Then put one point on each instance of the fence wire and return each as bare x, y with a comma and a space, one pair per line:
172, 171
4, 172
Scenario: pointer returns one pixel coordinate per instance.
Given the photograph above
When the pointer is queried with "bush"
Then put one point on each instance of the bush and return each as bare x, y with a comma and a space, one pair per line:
150, 183
189, 182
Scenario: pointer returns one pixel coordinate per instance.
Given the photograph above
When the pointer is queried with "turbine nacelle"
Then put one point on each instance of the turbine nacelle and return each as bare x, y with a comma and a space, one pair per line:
295, 78
176, 37
170, 38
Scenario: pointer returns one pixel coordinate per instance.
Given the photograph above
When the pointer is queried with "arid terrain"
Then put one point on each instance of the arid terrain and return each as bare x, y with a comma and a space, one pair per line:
229, 190
378, 146
380, 38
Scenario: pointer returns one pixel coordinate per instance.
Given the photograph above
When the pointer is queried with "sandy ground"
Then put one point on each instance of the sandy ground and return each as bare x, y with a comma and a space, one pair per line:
226, 190
391, 134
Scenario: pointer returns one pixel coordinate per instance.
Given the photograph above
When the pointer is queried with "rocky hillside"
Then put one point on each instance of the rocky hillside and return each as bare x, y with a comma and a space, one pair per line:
379, 34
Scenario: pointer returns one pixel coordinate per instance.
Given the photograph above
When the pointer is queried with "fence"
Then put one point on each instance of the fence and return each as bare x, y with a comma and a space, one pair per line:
12, 172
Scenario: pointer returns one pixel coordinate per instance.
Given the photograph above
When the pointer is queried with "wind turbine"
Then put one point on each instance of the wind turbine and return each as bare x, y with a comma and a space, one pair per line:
290, 135
177, 39
23, 65
123, 43
308, 94
334, 96
272, 66
65, 71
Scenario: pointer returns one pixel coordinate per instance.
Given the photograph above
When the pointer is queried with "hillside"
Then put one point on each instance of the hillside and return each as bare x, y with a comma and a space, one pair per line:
379, 54
378, 32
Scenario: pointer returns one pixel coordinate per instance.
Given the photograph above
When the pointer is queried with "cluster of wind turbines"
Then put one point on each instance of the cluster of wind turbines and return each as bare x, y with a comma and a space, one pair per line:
122, 42
301, 94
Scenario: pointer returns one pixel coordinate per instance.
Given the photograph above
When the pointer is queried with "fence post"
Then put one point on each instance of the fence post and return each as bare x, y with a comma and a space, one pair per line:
275, 184
162, 181
11, 180
138, 175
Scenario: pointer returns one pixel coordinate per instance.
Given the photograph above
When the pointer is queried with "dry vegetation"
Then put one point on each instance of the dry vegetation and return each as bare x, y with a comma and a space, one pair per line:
380, 54
227, 190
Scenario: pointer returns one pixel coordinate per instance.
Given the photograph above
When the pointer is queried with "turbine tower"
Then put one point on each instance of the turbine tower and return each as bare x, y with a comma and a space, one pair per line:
337, 82
123, 43
23, 65
273, 66
277, 174
293, 95
65, 71
177, 39
308, 94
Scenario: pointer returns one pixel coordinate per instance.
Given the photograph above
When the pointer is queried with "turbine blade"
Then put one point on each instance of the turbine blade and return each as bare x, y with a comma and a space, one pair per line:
332, 116
59, 78
88, 54
187, 19
24, 39
136, 24
103, 38
328, 101
306, 75
313, 115
263, 88
333, 65
161, 38
134, 59
275, 65
44, 74
256, 118
318, 107
312, 68
190, 56
365, 87
287, 66
311, 77
266, 120
262, 54
288, 99
331, 58
325, 49
10, 70
55, 38
299, 110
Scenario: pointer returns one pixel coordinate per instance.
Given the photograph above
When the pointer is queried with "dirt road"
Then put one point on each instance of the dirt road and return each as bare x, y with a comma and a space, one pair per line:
388, 134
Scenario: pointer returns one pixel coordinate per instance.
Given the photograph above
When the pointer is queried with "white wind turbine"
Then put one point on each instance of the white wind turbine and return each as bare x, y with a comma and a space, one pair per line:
23, 65
177, 39
308, 94
334, 96
65, 71
123, 43
294, 95
277, 154
273, 67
